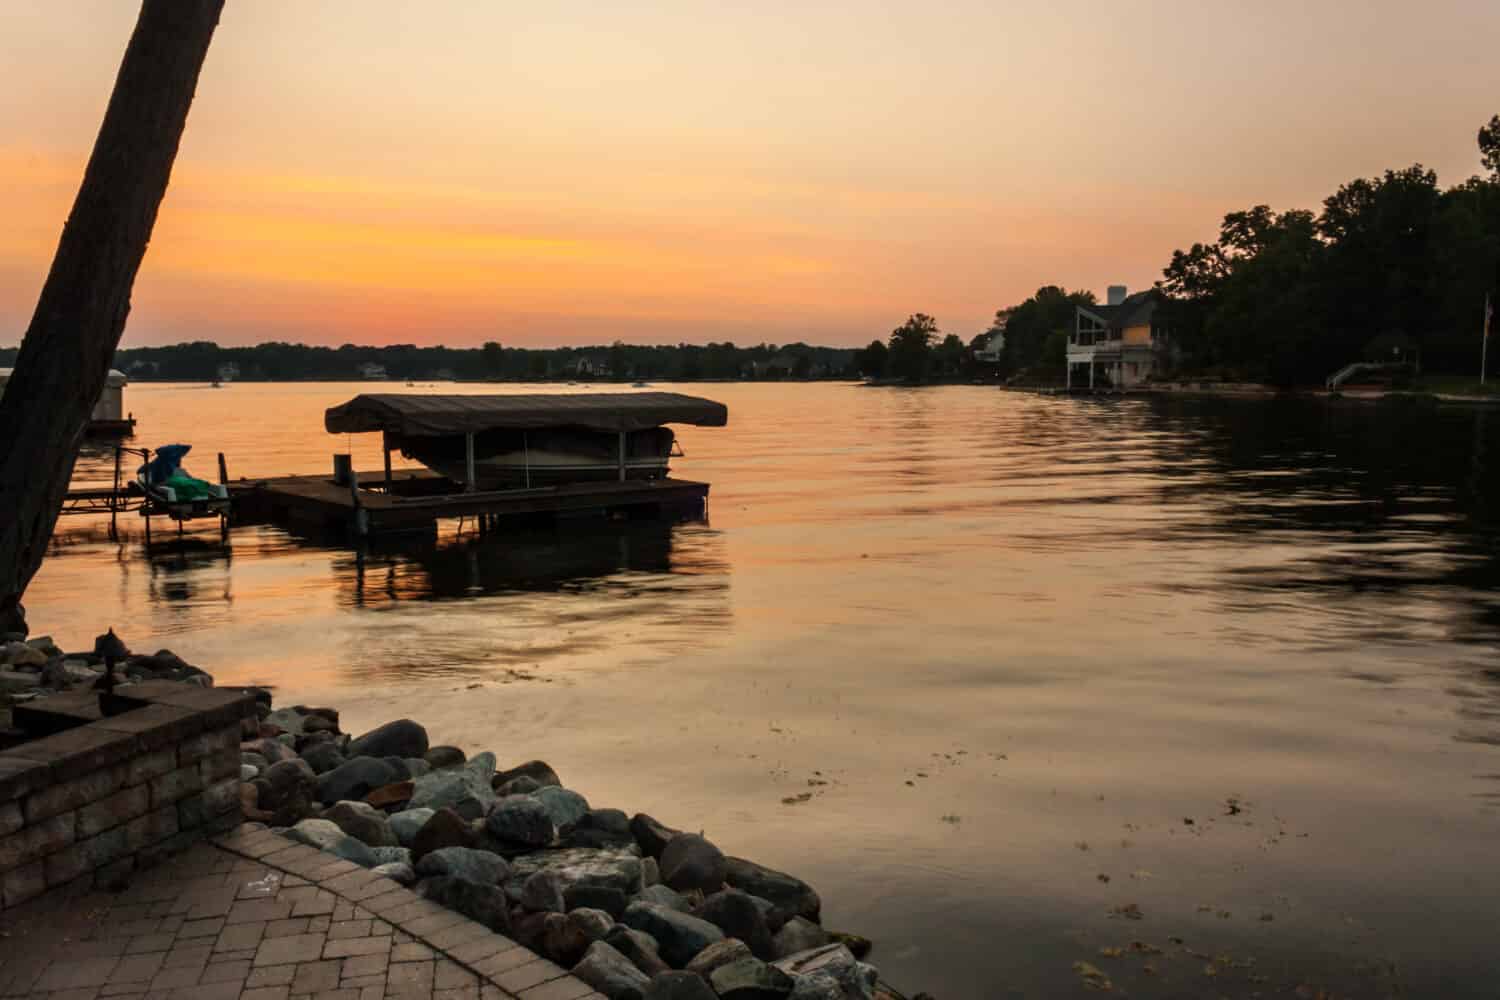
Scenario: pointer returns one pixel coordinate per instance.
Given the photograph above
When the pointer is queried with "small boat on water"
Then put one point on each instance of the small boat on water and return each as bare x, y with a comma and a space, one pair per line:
168, 486
527, 441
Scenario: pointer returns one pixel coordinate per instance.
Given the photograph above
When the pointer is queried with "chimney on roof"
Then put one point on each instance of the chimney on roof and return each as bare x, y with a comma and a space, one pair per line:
1116, 294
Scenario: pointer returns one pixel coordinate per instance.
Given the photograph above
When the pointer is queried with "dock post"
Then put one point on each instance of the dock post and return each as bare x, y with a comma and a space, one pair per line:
469, 462
361, 519
114, 501
223, 471
385, 446
622, 456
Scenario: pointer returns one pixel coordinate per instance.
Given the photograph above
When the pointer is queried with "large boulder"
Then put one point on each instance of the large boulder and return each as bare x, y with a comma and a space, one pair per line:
439, 758
485, 904
750, 979
600, 828
691, 862
536, 770
465, 863
400, 872
680, 935
834, 962
652, 836
445, 828
638, 946
596, 897
611, 973
542, 892
521, 819
391, 855
323, 757
611, 868
592, 924
465, 789
402, 738
407, 822
736, 914
673, 985
562, 940
798, 935
715, 955
326, 836
354, 779
563, 805
791, 896
669, 898
288, 790
362, 821
288, 720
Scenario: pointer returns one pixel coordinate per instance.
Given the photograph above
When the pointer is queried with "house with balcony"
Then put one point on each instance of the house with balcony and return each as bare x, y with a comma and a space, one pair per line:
1119, 344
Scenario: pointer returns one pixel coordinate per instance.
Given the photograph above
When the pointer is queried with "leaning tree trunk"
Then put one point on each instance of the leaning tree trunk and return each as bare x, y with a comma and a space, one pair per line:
65, 357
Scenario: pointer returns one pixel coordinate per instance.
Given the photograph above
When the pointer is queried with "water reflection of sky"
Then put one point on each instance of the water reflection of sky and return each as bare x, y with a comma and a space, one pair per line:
1062, 621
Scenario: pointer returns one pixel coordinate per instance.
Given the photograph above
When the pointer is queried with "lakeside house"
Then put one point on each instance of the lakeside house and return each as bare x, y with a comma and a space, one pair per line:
990, 348
228, 372
108, 411
1123, 342
371, 371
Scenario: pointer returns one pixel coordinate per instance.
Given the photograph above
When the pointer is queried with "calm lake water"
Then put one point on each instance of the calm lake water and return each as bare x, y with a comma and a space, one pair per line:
1010, 679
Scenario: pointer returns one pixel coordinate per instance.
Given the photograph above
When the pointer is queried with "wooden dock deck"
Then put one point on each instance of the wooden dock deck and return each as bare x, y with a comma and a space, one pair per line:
417, 498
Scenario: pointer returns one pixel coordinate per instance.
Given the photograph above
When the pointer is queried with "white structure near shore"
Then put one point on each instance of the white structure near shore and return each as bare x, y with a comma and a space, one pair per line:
110, 409
1119, 344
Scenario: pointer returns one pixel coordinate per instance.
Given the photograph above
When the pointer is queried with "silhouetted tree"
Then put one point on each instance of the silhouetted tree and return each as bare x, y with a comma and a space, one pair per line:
872, 360
911, 347
80, 314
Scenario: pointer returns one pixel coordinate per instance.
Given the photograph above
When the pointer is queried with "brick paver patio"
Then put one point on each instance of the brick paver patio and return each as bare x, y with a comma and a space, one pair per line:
258, 917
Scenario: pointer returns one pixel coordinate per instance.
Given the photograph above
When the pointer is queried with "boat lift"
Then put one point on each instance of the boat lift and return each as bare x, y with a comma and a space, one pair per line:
125, 494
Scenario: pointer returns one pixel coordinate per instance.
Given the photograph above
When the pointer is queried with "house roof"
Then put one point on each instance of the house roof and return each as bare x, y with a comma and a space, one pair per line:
1136, 310
440, 414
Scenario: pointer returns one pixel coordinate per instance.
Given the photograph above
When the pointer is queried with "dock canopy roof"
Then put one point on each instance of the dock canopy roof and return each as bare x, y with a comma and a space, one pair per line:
437, 415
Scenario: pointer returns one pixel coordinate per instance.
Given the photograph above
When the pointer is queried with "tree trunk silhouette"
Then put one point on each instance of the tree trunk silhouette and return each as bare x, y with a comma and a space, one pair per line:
80, 314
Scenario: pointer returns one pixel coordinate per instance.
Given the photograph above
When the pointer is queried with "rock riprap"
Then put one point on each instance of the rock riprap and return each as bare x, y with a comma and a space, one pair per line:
636, 908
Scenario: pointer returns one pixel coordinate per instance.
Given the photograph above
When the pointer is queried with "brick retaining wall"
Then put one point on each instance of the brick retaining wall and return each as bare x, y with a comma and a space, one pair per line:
109, 795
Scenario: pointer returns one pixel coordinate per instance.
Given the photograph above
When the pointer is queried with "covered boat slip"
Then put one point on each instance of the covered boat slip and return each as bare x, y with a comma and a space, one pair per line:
607, 454
525, 440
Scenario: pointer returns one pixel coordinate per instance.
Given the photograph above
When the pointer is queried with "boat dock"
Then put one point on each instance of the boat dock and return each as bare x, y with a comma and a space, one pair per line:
415, 499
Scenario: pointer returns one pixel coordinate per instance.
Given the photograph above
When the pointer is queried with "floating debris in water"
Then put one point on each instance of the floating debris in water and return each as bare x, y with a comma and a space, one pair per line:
1130, 911
1093, 977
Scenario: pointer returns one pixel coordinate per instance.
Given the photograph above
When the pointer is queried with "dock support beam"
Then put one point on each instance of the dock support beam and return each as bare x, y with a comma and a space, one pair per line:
469, 462
622, 456
385, 446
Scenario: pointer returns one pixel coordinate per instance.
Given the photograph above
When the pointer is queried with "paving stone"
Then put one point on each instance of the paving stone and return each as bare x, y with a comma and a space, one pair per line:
218, 972
291, 925
357, 946
314, 977
192, 953
270, 975
342, 929
293, 948
239, 937
264, 993
361, 966
138, 968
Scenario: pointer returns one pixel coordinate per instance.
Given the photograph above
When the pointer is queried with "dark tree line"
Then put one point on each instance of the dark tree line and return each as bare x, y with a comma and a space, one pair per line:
1393, 266
201, 361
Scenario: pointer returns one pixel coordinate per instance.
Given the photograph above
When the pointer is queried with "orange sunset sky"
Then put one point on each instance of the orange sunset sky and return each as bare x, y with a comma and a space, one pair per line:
567, 173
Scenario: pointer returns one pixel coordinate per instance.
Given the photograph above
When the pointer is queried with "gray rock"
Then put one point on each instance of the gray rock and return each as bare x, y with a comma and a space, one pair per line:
288, 790
326, 836
354, 779
855, 979
565, 807
641, 948
464, 789
288, 720
397, 871
465, 863
736, 914
681, 936
248, 772
717, 954
664, 896
536, 770
817, 986
652, 836
792, 896
407, 822
440, 758
391, 855
542, 892
750, 979
521, 784
798, 935
363, 822
562, 940
692, 862
401, 738
416, 767
601, 828
399, 766
650, 871
615, 868
592, 924
611, 973
596, 897
322, 757
678, 986
254, 760
485, 904
521, 819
